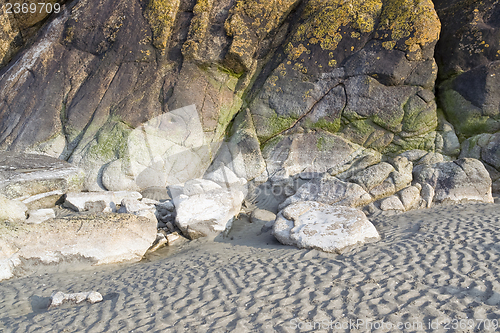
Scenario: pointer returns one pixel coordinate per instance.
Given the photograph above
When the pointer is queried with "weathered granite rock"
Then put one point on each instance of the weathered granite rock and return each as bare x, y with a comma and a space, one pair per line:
40, 215
94, 239
308, 155
331, 191
365, 70
224, 177
485, 147
410, 197
373, 176
465, 179
12, 210
203, 208
43, 200
58, 298
23, 175
314, 225
391, 203
241, 153
83, 201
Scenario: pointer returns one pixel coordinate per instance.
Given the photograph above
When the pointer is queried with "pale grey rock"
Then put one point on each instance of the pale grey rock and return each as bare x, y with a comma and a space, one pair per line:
241, 154
166, 150
58, 298
427, 194
373, 176
157, 193
129, 205
203, 208
414, 154
367, 158
81, 201
40, 215
391, 203
383, 190
430, 158
93, 239
12, 210
465, 179
332, 191
43, 200
314, 225
310, 153
224, 177
198, 186
402, 176
24, 175
409, 197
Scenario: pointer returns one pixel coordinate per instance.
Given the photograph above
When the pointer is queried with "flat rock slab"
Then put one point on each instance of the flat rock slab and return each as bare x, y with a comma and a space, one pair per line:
23, 175
314, 225
92, 239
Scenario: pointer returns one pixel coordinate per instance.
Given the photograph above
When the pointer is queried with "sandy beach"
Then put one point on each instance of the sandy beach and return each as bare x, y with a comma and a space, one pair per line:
435, 270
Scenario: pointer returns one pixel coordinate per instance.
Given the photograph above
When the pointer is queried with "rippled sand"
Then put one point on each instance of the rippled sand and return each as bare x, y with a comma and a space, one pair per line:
437, 264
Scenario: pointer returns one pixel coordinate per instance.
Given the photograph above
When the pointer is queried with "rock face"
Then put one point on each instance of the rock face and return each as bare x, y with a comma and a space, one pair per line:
204, 208
92, 239
468, 54
300, 66
363, 69
23, 175
313, 225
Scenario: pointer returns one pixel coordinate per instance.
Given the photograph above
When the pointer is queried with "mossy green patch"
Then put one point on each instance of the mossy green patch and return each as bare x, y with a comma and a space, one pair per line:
110, 142
276, 124
329, 126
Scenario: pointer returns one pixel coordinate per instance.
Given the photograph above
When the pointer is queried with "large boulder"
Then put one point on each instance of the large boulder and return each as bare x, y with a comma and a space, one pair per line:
204, 208
92, 239
313, 225
332, 191
486, 148
465, 179
24, 175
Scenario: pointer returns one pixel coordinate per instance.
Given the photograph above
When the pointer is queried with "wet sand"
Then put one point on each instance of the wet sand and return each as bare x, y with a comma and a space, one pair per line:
435, 270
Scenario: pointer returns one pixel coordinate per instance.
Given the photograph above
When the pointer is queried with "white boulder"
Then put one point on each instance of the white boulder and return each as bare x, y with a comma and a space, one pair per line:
204, 208
314, 225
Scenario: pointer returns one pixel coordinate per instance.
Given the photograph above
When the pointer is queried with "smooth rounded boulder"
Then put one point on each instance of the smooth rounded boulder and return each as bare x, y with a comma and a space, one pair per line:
313, 225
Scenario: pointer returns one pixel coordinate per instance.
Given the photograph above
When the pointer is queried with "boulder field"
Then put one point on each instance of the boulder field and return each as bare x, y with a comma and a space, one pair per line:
182, 114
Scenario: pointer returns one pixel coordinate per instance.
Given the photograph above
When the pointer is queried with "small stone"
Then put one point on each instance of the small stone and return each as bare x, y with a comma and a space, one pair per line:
391, 203
171, 238
40, 215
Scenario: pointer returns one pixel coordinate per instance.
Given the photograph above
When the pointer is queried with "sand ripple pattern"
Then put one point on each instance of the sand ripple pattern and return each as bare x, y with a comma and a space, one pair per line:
440, 263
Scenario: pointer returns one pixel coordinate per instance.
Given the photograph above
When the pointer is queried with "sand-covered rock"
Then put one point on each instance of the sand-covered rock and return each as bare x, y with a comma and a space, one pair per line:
314, 225
204, 208
465, 179
94, 239
23, 175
